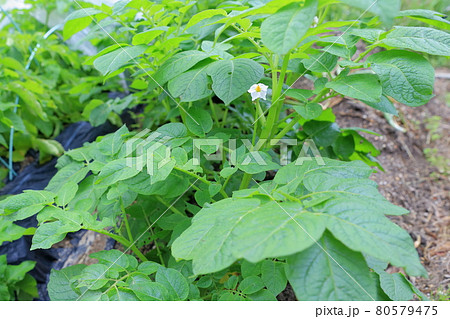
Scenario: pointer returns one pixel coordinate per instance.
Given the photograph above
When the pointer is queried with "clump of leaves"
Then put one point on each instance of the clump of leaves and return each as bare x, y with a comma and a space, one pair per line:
15, 282
45, 87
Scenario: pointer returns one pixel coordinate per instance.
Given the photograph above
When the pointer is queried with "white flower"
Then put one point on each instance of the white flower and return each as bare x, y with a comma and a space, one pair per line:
315, 22
258, 91
139, 16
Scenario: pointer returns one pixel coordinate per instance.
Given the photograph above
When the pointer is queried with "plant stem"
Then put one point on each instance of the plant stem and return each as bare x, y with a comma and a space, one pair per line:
213, 111
114, 285
245, 181
123, 241
274, 110
171, 207
260, 114
323, 14
226, 183
125, 219
290, 197
203, 180
368, 50
328, 97
287, 128
320, 95
280, 99
224, 118
252, 40
287, 117
183, 113
158, 251
167, 107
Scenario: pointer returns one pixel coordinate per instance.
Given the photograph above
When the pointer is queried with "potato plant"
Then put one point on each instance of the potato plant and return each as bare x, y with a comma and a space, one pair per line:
237, 181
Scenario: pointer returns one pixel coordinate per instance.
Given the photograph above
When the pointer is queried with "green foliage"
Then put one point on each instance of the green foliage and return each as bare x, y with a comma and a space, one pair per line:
408, 70
118, 277
199, 190
45, 86
15, 282
282, 31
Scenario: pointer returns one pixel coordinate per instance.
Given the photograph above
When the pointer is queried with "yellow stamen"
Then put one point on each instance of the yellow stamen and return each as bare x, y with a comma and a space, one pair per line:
258, 89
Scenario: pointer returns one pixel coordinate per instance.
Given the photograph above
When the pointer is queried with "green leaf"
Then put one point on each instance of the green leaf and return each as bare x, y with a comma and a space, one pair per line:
370, 35
329, 271
111, 144
262, 295
150, 291
344, 146
116, 59
428, 16
78, 20
385, 105
173, 186
299, 94
115, 171
372, 233
420, 39
122, 294
148, 267
10, 231
27, 288
174, 281
228, 171
309, 111
227, 295
66, 193
354, 210
148, 36
364, 87
205, 15
29, 98
53, 232
60, 284
114, 259
191, 85
232, 229
256, 162
251, 285
93, 277
322, 133
336, 184
396, 286
26, 204
387, 10
406, 76
199, 121
218, 49
16, 273
320, 62
173, 130
332, 168
273, 276
248, 269
176, 65
232, 78
50, 147
74, 172
282, 31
